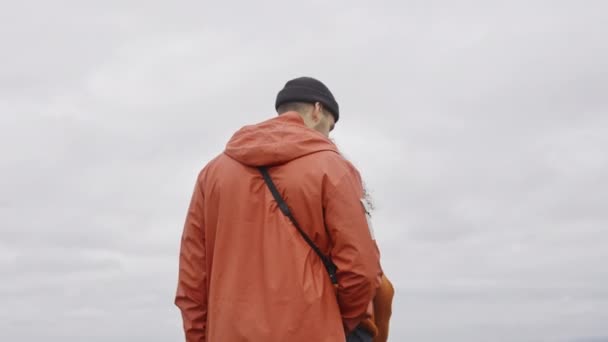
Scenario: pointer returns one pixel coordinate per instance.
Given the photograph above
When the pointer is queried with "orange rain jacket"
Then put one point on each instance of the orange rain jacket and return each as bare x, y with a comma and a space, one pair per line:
245, 273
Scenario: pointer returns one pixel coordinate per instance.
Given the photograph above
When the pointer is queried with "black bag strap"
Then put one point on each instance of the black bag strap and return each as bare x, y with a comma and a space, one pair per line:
329, 265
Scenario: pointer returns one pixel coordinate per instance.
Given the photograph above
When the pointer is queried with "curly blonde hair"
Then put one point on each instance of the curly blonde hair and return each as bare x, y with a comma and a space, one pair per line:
368, 198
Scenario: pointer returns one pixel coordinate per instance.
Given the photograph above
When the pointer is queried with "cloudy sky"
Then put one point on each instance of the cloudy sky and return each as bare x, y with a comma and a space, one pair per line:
480, 127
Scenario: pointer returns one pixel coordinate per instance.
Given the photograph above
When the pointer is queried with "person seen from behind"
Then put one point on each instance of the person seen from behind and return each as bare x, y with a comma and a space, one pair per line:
294, 263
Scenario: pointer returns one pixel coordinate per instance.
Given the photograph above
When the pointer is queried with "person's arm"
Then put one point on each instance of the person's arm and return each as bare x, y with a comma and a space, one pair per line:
354, 251
191, 296
383, 303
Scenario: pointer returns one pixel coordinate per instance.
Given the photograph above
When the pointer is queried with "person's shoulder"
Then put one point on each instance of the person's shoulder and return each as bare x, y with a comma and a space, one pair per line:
345, 163
211, 165
335, 164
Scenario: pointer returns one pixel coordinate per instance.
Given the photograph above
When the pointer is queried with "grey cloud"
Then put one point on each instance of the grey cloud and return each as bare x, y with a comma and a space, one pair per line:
479, 128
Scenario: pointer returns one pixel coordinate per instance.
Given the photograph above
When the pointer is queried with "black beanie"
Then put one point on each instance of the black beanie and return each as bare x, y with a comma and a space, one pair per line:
308, 89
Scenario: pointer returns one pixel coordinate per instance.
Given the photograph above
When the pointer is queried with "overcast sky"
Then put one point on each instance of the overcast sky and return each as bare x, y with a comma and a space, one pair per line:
480, 128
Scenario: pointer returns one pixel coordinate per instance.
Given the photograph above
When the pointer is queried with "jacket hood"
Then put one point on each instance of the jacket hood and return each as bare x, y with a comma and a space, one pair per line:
276, 141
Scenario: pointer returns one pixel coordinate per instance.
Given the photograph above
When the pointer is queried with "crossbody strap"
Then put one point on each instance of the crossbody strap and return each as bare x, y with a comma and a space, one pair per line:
329, 265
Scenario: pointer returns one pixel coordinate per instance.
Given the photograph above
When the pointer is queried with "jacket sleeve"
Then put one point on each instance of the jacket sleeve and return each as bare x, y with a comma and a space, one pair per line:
354, 251
191, 296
